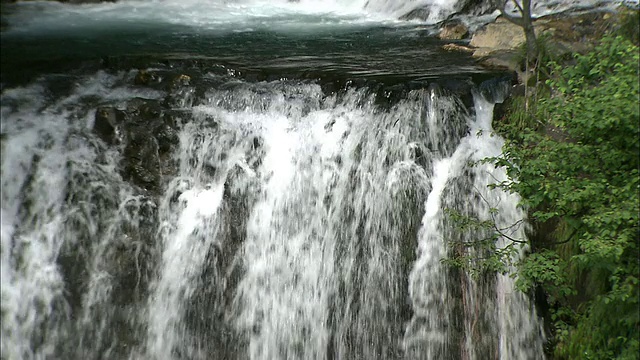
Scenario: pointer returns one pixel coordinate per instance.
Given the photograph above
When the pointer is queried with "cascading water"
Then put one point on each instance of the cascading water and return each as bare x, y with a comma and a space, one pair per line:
281, 209
481, 317
288, 227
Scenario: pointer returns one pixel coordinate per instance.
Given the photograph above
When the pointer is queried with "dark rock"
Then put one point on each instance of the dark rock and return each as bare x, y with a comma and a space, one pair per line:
476, 7
166, 136
496, 90
460, 88
136, 253
144, 110
421, 13
148, 133
329, 126
181, 80
141, 163
419, 155
182, 98
258, 142
466, 7
147, 78
106, 123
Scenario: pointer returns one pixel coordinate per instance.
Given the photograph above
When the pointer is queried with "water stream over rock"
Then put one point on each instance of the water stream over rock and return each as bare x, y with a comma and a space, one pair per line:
235, 204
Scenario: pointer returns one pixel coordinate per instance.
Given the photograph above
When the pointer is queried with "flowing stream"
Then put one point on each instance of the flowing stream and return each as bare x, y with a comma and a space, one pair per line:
248, 180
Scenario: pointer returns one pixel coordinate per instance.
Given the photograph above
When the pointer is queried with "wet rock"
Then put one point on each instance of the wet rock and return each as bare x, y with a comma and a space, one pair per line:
148, 134
456, 47
466, 7
460, 88
497, 89
106, 123
180, 99
421, 13
181, 80
144, 110
329, 125
133, 257
453, 30
166, 136
141, 163
419, 155
476, 7
147, 78
181, 92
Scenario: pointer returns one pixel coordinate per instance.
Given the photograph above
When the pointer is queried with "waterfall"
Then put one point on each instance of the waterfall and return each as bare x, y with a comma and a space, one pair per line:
73, 261
288, 223
476, 312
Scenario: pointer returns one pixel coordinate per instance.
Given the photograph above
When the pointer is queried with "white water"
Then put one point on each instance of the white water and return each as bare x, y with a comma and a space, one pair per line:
210, 16
218, 16
521, 336
297, 224
185, 244
288, 229
429, 332
62, 205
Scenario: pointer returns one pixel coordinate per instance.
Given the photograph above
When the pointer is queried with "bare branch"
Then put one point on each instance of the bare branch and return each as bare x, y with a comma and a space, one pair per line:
517, 4
493, 222
513, 19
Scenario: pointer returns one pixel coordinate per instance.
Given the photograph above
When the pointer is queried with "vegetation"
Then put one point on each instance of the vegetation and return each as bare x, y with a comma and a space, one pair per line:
574, 158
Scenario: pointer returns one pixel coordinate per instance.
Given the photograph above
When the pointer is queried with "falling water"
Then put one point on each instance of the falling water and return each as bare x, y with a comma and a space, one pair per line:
200, 209
72, 257
476, 312
291, 223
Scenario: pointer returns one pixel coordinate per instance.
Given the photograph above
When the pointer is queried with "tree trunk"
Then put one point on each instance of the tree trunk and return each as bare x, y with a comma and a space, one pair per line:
529, 33
525, 22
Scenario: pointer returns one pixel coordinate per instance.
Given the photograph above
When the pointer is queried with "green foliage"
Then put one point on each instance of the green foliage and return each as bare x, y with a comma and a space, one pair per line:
548, 269
545, 48
519, 119
574, 160
581, 169
477, 251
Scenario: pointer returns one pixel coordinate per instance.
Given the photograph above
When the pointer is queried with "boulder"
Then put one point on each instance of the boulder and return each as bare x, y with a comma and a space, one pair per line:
453, 30
501, 35
498, 45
